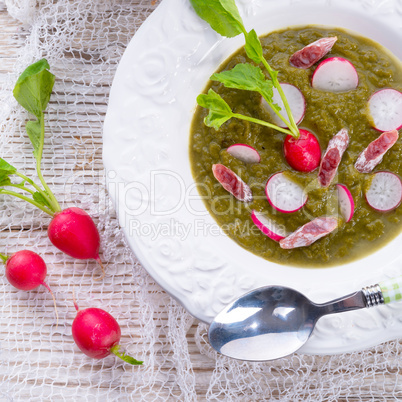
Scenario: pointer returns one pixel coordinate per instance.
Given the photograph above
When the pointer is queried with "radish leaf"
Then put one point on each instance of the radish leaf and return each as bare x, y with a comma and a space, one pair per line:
248, 77
33, 88
5, 168
222, 15
219, 110
253, 47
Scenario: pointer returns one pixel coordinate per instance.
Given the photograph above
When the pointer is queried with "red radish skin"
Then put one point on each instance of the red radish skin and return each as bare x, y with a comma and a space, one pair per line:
312, 53
302, 154
245, 153
268, 227
335, 74
98, 334
74, 232
346, 203
26, 270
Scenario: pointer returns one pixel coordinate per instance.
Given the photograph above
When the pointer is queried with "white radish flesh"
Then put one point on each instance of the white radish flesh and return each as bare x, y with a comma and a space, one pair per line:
245, 153
335, 74
385, 192
296, 101
284, 194
385, 108
346, 203
268, 227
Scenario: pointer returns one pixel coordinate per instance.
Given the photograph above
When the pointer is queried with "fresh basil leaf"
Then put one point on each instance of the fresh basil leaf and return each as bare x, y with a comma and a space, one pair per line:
253, 47
34, 87
219, 110
222, 15
246, 76
5, 168
35, 134
38, 197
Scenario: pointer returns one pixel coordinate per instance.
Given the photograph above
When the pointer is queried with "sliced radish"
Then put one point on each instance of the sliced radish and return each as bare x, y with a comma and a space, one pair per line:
385, 192
346, 203
267, 226
245, 153
284, 194
335, 74
296, 102
385, 108
303, 154
232, 183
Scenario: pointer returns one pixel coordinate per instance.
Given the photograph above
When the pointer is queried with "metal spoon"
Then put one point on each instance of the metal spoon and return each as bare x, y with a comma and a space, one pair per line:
275, 321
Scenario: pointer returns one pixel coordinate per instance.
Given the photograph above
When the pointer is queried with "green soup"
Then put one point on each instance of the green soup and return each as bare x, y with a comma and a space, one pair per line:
326, 113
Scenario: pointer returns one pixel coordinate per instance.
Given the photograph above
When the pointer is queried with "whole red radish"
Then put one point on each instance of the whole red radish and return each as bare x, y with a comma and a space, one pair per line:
74, 232
26, 270
97, 334
302, 154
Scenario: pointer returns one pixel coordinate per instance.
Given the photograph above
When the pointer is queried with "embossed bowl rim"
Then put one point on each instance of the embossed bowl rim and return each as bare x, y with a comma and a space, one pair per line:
146, 132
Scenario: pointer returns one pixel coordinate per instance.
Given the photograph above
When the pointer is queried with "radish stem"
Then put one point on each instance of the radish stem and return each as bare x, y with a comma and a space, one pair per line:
263, 123
54, 301
75, 301
99, 261
22, 197
4, 258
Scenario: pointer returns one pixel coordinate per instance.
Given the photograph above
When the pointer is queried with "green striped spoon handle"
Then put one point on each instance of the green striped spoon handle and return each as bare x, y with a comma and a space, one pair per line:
384, 292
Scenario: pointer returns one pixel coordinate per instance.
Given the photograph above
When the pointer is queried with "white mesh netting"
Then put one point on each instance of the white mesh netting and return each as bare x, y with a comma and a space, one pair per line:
83, 42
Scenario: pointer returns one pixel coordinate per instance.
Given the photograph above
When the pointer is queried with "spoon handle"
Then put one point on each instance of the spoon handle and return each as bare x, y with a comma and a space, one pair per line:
384, 292
391, 289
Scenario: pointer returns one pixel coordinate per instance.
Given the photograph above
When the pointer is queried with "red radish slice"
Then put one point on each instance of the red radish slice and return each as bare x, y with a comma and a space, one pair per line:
244, 153
296, 102
385, 192
310, 54
346, 203
284, 194
232, 183
335, 74
385, 107
310, 232
303, 154
268, 227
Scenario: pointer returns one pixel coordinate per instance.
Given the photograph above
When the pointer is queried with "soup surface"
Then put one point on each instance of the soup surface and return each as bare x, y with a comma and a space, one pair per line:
326, 113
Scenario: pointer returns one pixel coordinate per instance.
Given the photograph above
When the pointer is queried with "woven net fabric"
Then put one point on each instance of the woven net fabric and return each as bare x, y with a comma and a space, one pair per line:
83, 42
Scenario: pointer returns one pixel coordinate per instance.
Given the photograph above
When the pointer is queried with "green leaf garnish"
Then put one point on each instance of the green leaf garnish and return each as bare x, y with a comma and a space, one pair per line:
219, 110
222, 15
253, 47
248, 77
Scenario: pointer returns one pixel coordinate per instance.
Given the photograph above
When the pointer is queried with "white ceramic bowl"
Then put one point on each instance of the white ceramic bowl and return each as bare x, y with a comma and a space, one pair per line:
146, 134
